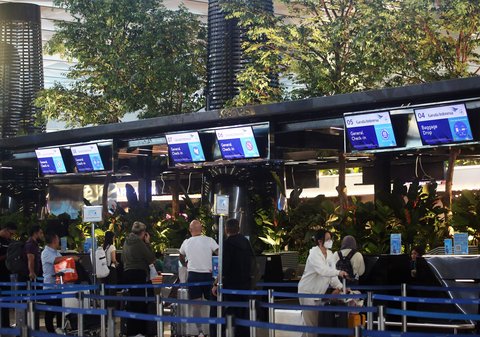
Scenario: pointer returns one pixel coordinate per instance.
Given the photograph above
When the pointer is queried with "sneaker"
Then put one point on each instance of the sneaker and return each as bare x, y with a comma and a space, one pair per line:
201, 334
59, 331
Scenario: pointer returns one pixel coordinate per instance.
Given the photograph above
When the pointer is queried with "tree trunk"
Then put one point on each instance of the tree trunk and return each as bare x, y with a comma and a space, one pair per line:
342, 188
449, 178
175, 196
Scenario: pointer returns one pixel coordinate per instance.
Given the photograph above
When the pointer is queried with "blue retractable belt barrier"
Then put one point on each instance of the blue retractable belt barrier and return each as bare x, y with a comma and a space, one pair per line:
319, 296
159, 285
44, 307
13, 305
375, 333
46, 334
333, 308
36, 298
296, 328
425, 299
437, 315
375, 287
50, 290
428, 288
155, 318
244, 292
13, 284
10, 331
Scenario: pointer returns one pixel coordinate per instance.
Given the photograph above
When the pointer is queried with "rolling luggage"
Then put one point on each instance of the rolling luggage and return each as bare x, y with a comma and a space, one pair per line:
332, 319
185, 310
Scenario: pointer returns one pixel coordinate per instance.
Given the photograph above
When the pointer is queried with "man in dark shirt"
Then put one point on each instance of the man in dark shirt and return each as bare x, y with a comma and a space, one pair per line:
32, 249
238, 258
6, 235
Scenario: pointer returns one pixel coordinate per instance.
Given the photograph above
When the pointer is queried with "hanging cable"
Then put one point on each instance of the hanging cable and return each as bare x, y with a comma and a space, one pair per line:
163, 184
189, 182
425, 174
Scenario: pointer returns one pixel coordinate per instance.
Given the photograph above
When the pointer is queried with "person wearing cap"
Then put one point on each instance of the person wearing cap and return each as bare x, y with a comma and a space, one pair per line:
137, 255
320, 273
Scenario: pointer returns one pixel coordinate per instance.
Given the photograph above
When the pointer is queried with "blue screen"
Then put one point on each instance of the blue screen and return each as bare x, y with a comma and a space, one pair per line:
185, 147
237, 143
444, 124
87, 158
370, 131
51, 161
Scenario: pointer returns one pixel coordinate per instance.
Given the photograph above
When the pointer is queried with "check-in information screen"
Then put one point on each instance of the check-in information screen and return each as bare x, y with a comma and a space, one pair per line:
51, 161
185, 147
87, 158
237, 143
444, 124
370, 131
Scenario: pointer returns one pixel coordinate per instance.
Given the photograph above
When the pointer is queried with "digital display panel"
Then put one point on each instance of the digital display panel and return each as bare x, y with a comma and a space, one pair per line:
443, 124
51, 161
87, 158
185, 147
237, 143
370, 131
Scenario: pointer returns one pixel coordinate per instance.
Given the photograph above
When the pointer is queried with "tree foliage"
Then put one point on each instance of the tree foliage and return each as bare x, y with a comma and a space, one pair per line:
327, 47
133, 56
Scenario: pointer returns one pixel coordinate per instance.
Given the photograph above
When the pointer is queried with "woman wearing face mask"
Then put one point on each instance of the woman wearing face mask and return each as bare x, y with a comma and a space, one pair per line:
319, 274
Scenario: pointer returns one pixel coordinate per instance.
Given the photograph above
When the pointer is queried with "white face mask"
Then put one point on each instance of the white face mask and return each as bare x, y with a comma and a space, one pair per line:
328, 244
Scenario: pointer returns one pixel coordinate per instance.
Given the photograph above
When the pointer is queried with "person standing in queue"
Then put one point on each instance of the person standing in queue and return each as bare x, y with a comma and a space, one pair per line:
319, 274
50, 256
32, 249
137, 255
238, 258
196, 254
348, 252
6, 235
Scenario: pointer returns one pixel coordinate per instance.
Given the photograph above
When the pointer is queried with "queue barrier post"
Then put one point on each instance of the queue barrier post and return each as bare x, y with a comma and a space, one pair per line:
404, 307
24, 331
31, 315
80, 315
358, 331
369, 314
159, 311
381, 318
252, 316
110, 323
103, 325
271, 313
229, 327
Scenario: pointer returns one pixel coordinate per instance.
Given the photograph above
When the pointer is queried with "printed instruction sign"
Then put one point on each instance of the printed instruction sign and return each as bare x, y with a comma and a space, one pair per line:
460, 241
220, 204
448, 246
395, 244
92, 213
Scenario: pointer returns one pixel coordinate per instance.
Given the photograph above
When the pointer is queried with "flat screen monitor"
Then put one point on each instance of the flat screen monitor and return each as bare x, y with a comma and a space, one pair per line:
185, 147
51, 161
370, 131
443, 124
237, 143
87, 158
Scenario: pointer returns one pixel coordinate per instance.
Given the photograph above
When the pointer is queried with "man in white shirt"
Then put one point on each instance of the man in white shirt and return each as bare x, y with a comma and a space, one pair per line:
196, 254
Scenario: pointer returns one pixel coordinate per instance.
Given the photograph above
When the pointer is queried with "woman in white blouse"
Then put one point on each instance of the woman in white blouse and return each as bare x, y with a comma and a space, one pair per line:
111, 257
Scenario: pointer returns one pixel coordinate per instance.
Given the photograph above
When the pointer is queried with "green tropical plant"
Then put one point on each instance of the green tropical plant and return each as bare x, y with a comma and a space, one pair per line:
466, 213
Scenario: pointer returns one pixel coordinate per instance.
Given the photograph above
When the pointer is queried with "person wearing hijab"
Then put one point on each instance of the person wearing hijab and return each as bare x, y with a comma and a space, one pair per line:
358, 265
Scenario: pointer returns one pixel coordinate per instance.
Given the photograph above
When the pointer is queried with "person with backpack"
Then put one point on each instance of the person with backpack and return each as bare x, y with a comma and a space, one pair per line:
112, 263
319, 275
32, 251
6, 235
350, 260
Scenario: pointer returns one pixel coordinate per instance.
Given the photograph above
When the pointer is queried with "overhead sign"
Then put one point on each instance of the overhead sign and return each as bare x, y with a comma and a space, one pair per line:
92, 213
87, 158
220, 204
185, 147
237, 143
370, 131
51, 161
443, 124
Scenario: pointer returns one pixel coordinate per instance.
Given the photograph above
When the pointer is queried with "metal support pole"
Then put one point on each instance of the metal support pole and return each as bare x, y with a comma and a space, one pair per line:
229, 328
80, 316
24, 331
94, 250
159, 308
220, 273
358, 331
271, 313
103, 325
252, 316
381, 318
404, 307
369, 314
31, 316
110, 323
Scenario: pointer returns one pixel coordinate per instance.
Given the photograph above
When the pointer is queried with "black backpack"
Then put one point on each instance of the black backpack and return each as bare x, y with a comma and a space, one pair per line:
16, 260
345, 264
